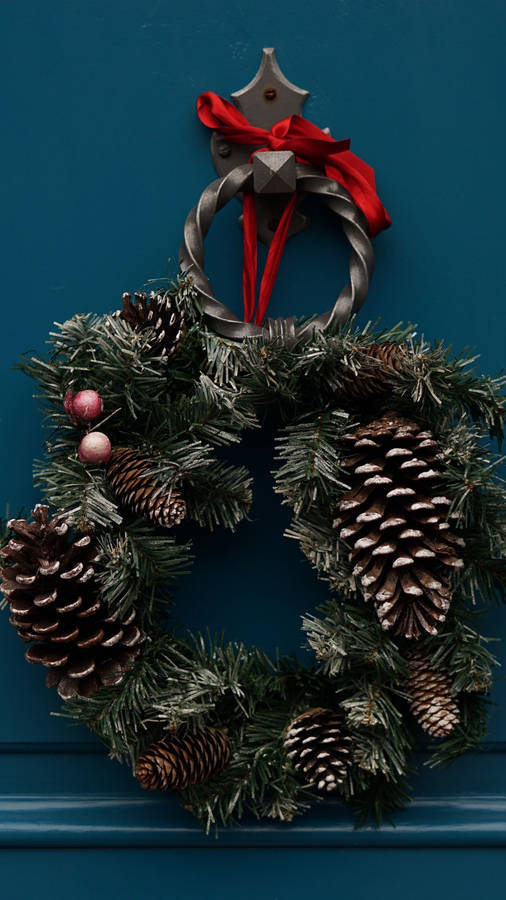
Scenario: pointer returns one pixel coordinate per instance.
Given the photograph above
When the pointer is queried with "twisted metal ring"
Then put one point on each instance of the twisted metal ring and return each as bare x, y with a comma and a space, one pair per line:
219, 317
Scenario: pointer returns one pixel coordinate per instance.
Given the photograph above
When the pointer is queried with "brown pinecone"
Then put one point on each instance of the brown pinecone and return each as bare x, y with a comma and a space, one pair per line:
319, 749
183, 759
394, 517
160, 313
49, 581
129, 477
432, 703
372, 379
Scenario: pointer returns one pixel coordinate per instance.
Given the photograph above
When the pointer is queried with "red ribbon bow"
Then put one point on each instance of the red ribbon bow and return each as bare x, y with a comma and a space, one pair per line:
311, 145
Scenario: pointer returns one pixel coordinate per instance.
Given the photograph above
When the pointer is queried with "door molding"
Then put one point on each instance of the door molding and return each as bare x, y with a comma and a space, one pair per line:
72, 796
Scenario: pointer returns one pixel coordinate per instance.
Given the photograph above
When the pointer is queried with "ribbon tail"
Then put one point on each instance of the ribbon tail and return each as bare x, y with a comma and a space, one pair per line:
274, 259
358, 179
249, 265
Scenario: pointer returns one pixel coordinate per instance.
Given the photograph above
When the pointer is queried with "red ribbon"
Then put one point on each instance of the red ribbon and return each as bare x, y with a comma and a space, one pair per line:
311, 145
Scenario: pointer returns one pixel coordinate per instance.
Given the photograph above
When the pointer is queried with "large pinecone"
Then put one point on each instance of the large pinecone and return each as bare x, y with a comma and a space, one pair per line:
432, 703
319, 749
377, 362
183, 759
129, 476
159, 313
395, 518
49, 582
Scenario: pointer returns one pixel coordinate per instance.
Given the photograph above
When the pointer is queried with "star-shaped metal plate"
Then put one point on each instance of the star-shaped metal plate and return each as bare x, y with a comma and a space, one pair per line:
269, 97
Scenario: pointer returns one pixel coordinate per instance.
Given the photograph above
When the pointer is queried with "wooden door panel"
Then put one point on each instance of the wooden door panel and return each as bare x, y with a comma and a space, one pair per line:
102, 158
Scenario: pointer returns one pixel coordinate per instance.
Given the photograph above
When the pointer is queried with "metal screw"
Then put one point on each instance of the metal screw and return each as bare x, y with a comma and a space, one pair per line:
224, 150
270, 94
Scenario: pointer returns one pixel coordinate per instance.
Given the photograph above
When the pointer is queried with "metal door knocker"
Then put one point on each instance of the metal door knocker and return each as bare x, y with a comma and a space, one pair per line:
268, 155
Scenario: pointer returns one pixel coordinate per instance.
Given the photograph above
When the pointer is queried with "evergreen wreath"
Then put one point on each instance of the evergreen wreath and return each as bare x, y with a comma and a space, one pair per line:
397, 503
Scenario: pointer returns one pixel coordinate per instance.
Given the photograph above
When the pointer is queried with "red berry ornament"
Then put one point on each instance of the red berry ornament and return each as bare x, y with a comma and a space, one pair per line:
95, 447
86, 405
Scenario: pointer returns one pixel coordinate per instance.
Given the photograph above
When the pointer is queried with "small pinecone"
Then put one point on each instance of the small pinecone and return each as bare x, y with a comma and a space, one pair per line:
49, 582
373, 376
432, 703
129, 478
395, 520
160, 313
319, 749
183, 759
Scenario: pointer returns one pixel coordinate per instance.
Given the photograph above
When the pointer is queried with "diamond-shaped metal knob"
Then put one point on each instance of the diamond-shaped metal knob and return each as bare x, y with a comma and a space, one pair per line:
274, 172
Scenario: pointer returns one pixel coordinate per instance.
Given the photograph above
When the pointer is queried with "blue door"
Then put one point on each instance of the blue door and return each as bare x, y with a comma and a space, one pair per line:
102, 158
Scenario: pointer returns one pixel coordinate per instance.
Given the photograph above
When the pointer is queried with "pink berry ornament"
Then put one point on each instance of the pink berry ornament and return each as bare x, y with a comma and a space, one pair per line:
67, 403
87, 405
95, 447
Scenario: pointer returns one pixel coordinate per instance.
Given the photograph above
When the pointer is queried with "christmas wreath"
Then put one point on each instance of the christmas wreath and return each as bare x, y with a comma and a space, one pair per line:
383, 457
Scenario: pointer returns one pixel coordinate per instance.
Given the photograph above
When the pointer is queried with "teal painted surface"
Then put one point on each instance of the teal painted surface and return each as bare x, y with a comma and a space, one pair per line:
250, 874
102, 158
